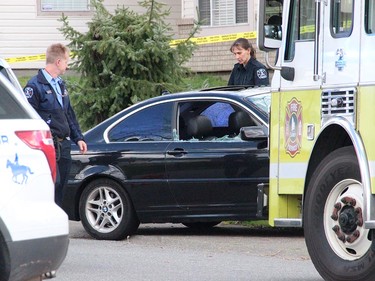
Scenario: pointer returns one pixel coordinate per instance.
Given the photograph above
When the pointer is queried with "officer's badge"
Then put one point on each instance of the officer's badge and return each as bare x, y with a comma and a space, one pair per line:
29, 92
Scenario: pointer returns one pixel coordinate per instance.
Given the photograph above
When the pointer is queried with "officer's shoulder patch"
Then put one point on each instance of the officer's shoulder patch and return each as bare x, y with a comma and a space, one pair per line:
262, 73
29, 92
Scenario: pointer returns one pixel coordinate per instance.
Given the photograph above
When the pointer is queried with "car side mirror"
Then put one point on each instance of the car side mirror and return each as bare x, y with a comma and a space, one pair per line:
254, 132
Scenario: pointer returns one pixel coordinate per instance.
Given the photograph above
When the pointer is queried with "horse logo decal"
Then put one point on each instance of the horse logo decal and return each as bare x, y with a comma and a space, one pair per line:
19, 170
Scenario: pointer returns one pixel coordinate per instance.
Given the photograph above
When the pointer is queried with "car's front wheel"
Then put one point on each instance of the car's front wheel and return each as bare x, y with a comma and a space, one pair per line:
106, 211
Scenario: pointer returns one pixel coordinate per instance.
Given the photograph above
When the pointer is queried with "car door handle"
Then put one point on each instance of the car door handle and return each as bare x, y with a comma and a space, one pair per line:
176, 152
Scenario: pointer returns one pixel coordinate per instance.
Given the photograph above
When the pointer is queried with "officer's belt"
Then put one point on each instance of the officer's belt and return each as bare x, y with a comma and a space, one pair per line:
62, 139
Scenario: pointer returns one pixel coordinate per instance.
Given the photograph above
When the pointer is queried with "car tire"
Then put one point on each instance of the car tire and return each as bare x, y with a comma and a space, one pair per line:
201, 225
106, 211
336, 239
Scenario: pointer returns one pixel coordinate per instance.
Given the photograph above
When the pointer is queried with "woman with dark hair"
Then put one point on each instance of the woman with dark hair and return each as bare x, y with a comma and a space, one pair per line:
248, 71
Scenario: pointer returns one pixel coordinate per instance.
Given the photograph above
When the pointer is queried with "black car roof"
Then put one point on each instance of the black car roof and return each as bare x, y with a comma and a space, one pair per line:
229, 92
221, 92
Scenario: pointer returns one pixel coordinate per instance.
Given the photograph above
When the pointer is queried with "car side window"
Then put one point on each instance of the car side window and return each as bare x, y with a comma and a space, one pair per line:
211, 121
218, 113
149, 124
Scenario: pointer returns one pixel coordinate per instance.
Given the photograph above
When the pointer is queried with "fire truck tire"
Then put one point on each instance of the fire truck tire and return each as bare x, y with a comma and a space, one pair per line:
338, 243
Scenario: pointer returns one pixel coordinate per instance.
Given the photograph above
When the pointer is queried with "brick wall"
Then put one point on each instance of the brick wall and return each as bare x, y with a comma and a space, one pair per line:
216, 57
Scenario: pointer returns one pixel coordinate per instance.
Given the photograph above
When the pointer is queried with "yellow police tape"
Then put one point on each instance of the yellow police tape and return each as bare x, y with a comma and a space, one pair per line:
26, 58
196, 40
217, 38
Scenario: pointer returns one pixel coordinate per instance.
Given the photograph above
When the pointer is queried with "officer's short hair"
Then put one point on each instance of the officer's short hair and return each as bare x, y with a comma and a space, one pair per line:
56, 51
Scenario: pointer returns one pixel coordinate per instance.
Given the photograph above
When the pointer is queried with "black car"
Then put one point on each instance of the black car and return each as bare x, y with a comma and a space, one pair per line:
196, 158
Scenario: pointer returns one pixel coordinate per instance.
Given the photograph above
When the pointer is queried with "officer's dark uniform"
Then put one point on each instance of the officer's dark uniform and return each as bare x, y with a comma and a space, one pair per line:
61, 120
253, 74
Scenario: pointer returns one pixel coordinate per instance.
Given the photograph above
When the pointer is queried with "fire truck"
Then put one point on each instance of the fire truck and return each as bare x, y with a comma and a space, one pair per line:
322, 134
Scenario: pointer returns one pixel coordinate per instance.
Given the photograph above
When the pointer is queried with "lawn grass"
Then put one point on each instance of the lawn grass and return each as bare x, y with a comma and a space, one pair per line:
202, 81
252, 224
23, 80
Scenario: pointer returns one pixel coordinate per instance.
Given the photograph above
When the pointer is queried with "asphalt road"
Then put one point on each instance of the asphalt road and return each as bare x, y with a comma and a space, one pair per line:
173, 252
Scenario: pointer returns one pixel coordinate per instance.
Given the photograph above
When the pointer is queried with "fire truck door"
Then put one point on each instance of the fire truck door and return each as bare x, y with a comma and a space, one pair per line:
298, 53
295, 112
340, 45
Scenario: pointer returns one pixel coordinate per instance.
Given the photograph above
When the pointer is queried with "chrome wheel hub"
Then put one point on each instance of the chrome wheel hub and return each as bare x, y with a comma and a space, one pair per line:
343, 220
104, 209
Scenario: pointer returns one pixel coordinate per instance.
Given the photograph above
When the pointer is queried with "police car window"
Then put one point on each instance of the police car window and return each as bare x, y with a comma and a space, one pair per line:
150, 124
342, 18
370, 16
4, 72
8, 74
9, 107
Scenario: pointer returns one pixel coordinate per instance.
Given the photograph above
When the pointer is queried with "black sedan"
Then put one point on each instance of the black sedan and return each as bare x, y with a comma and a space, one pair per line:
196, 158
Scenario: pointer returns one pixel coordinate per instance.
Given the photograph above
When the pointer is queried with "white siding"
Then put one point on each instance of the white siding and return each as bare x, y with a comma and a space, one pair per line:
24, 32
111, 5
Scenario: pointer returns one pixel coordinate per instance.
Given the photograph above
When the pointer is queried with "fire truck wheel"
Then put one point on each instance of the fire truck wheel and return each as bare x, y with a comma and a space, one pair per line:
336, 239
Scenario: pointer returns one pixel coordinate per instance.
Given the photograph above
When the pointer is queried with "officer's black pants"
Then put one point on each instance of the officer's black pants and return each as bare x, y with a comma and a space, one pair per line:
63, 168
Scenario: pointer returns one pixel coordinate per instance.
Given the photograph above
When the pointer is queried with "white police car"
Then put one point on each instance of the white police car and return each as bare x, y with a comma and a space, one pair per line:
33, 229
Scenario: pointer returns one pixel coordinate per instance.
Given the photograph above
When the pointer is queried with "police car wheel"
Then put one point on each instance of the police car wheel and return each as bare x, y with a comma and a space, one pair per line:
106, 211
338, 243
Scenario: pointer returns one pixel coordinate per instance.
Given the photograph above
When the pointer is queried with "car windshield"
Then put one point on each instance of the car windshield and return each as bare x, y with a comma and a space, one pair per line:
261, 101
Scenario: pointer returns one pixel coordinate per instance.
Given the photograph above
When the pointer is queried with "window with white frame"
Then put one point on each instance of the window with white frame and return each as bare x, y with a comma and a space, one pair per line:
223, 12
64, 5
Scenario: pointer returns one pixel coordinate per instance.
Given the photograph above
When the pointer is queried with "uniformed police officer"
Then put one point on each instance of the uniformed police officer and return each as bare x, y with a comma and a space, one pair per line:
47, 93
248, 71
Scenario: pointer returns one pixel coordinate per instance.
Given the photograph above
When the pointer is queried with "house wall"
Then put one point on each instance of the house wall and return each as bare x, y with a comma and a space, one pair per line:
215, 57
24, 31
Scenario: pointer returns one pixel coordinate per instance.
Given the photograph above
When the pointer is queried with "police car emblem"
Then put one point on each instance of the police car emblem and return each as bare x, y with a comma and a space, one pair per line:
261, 73
20, 172
293, 127
28, 92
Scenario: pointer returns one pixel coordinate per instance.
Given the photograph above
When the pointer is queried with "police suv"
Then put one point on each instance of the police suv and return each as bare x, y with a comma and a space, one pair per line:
33, 229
